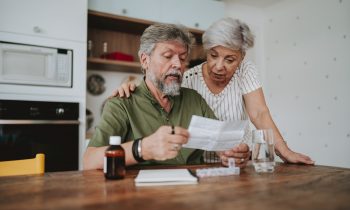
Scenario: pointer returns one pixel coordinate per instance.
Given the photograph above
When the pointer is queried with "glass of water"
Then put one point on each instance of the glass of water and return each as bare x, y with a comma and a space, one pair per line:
263, 153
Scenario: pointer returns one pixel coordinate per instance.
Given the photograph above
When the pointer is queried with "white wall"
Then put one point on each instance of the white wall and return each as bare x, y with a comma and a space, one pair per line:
306, 48
308, 74
254, 18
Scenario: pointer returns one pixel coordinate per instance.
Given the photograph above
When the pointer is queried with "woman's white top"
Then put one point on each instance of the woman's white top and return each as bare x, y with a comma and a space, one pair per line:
228, 105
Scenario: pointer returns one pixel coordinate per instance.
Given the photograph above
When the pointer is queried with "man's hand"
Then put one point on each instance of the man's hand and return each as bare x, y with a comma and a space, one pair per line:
240, 153
124, 90
162, 144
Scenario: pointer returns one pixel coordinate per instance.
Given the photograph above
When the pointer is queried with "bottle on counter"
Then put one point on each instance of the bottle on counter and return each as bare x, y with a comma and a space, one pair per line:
114, 160
104, 50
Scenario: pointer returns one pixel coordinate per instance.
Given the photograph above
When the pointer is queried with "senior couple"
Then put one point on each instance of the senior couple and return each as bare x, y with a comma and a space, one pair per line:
155, 116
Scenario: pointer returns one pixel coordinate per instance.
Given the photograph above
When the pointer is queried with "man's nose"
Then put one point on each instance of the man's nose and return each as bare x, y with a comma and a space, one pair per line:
176, 62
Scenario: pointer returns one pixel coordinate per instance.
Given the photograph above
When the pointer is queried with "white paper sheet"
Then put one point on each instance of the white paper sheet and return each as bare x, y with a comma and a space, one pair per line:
214, 135
156, 177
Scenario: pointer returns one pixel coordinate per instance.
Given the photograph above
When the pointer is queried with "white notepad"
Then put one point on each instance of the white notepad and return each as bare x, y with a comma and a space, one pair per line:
165, 177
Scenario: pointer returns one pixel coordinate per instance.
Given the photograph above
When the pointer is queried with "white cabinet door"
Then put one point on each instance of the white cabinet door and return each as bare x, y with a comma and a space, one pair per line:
192, 13
61, 19
142, 9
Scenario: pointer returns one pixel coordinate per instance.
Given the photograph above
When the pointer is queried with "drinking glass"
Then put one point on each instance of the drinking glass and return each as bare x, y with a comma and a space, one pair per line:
263, 153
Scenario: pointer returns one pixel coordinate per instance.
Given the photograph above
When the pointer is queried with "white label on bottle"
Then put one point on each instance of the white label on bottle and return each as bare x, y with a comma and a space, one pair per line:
105, 165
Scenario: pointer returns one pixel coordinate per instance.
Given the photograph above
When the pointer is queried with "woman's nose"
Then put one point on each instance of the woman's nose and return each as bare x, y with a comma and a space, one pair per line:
219, 64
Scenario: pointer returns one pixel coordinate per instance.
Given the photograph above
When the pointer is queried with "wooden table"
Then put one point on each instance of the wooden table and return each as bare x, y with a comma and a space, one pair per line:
289, 187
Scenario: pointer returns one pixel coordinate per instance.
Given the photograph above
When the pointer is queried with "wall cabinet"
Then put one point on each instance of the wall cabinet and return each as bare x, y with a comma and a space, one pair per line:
142, 9
122, 34
191, 13
198, 14
50, 18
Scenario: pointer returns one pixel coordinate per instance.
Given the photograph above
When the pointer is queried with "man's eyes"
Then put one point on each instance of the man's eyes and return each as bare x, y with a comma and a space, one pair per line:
170, 56
167, 55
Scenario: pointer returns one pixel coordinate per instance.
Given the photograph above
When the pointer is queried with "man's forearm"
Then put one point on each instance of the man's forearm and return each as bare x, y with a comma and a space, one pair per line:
93, 157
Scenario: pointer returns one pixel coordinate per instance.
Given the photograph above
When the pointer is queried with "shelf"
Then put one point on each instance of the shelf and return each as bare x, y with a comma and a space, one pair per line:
113, 65
122, 35
120, 23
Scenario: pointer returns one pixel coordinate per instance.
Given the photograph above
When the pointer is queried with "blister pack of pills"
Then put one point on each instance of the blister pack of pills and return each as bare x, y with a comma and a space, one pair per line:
221, 171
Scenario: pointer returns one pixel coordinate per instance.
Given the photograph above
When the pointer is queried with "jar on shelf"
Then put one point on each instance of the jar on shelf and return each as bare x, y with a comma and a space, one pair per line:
89, 49
104, 50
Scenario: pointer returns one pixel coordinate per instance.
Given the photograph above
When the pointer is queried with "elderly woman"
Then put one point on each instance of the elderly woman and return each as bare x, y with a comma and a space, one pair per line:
230, 84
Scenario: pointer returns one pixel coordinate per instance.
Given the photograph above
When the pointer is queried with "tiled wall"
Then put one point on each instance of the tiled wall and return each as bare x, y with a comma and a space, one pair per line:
307, 57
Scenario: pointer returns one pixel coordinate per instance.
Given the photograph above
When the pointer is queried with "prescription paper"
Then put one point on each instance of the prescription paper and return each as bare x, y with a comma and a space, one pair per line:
214, 135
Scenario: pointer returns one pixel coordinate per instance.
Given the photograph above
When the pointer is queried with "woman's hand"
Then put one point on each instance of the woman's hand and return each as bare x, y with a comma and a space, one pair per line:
124, 90
240, 153
288, 156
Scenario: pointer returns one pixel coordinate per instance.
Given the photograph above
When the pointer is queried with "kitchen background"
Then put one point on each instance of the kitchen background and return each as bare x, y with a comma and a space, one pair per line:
302, 52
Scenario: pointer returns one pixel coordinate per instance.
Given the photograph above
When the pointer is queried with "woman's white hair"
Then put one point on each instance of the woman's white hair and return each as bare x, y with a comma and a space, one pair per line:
230, 33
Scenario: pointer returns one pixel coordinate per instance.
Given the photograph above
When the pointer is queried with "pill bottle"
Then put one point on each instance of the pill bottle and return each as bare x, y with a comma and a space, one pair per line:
114, 160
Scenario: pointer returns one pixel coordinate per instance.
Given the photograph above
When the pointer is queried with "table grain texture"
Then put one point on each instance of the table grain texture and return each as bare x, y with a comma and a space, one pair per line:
289, 187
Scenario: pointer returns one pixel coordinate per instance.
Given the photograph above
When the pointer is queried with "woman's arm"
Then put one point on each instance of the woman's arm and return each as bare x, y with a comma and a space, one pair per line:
260, 116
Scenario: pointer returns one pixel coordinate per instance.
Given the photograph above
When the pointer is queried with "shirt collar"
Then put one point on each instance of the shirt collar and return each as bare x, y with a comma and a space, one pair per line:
147, 93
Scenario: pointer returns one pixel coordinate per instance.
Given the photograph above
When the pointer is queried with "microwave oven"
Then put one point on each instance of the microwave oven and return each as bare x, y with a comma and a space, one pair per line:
23, 64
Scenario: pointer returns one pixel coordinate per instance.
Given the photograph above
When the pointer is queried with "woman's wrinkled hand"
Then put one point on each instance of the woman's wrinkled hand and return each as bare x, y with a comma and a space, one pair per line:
240, 153
289, 156
124, 90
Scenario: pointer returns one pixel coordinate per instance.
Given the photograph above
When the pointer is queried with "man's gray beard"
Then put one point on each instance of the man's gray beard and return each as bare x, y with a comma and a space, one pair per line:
172, 89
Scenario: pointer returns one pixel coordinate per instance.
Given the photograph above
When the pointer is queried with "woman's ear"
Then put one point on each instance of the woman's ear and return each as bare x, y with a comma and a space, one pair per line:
243, 54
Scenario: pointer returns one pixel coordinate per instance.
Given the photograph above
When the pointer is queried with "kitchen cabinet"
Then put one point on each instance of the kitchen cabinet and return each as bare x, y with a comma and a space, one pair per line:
191, 13
50, 18
198, 14
122, 34
142, 9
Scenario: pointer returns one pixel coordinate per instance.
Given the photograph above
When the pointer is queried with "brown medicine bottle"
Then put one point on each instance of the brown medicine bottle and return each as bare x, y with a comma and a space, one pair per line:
114, 160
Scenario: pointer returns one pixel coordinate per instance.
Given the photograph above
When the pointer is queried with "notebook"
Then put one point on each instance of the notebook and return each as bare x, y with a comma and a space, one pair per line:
165, 177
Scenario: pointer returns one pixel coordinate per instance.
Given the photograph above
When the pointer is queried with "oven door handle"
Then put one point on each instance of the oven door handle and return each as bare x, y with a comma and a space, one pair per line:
31, 122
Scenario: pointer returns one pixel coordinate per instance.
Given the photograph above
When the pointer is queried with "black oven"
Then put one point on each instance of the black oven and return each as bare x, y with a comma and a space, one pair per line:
31, 127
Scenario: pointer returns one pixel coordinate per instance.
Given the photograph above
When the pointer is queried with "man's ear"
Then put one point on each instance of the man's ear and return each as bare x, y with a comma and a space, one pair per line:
144, 59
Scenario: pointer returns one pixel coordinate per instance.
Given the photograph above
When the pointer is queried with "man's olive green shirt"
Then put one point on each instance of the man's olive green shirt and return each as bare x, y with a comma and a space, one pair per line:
141, 115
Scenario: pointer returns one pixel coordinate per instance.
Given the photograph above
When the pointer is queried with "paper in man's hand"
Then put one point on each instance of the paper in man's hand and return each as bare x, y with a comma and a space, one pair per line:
214, 135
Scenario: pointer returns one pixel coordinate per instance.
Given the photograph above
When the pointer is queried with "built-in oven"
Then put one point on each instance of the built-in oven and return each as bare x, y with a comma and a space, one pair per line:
31, 127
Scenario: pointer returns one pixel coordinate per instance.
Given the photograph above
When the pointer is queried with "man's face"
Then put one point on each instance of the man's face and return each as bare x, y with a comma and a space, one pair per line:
165, 66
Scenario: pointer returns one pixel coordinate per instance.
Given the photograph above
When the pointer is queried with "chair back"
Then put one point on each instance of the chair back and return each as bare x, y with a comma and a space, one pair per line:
23, 167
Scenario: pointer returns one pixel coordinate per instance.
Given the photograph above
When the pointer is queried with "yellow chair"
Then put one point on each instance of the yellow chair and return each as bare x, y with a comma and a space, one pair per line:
23, 167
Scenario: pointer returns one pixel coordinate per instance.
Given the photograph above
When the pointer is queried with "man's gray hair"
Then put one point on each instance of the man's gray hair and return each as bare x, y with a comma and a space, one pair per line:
162, 32
230, 33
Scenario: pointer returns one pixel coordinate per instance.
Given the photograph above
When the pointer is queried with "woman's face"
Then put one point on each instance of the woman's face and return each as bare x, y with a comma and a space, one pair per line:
222, 63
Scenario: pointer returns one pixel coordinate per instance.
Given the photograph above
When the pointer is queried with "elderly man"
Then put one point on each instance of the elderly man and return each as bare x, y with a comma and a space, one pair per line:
152, 122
